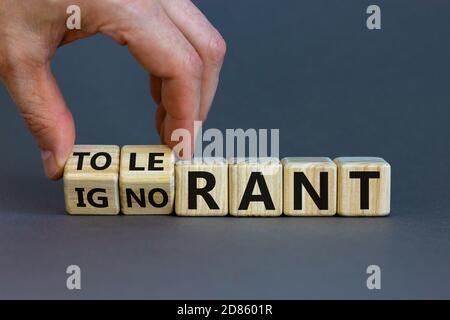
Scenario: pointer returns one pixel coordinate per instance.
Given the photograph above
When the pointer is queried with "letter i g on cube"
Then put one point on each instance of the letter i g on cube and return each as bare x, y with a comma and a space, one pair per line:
91, 180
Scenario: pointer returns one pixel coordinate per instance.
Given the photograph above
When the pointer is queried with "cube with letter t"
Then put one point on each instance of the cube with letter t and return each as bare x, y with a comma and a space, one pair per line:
147, 179
364, 186
255, 186
91, 180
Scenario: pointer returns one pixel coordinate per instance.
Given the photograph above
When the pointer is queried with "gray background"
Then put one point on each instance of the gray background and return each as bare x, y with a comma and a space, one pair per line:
310, 68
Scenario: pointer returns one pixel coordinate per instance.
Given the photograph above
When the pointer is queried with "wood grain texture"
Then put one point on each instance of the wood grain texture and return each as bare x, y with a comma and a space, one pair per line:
89, 171
349, 199
241, 172
201, 171
311, 168
147, 180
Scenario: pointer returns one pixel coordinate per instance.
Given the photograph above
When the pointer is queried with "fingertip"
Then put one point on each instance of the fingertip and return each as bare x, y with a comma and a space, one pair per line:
179, 135
55, 161
51, 168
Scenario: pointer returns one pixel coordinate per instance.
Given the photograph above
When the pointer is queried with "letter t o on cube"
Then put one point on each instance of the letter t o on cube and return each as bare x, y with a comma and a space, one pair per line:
147, 181
91, 180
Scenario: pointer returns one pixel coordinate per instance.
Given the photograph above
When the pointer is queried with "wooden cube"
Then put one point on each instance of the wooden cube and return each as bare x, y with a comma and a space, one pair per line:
91, 180
147, 181
364, 186
255, 187
202, 187
309, 186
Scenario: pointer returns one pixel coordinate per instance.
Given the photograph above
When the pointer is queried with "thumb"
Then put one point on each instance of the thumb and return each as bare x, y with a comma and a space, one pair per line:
41, 104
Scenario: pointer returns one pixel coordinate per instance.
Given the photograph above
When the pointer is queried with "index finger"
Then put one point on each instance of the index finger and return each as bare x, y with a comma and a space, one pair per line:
161, 48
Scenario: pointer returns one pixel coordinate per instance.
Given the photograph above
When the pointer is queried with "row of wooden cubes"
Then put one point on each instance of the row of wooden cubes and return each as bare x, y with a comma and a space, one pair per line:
105, 180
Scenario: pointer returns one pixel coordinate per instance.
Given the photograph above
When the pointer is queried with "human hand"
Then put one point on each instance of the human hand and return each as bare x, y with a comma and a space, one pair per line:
171, 39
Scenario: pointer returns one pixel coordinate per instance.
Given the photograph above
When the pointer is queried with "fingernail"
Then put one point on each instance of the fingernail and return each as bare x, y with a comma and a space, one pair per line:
50, 166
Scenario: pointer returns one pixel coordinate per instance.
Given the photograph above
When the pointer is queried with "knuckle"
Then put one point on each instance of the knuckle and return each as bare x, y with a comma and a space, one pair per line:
38, 123
216, 48
15, 62
38, 115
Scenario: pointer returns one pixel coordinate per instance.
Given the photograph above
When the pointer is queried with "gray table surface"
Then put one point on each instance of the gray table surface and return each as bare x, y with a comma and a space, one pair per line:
334, 88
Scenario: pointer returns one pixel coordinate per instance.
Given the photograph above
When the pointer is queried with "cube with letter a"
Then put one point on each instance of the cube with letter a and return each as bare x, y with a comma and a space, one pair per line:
255, 187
